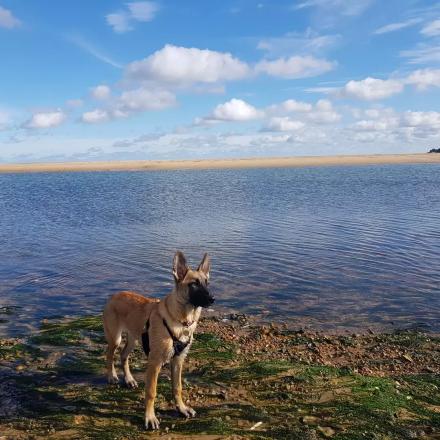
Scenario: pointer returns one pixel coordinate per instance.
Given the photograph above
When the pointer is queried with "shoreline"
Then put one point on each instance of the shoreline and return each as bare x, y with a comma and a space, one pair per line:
203, 164
239, 376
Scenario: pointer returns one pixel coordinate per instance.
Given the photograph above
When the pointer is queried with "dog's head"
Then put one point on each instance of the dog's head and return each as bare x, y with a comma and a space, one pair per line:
192, 285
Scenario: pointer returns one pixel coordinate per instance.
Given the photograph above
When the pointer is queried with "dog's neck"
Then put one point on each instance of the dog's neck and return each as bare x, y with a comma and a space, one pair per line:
185, 314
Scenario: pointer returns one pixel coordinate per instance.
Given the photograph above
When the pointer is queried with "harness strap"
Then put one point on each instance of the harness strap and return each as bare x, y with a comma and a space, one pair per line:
146, 339
178, 345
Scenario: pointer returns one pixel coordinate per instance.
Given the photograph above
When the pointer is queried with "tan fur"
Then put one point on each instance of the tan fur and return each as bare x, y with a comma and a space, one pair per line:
128, 312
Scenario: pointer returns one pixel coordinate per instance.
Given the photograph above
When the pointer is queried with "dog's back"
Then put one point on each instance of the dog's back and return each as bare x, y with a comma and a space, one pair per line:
126, 311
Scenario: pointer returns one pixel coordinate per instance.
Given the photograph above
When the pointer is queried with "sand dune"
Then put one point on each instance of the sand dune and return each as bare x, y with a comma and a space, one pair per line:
270, 162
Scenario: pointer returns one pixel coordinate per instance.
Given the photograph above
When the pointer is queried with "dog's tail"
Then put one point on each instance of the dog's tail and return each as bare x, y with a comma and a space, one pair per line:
112, 326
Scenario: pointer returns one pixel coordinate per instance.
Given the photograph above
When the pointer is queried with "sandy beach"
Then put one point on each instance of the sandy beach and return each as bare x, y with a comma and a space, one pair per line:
270, 162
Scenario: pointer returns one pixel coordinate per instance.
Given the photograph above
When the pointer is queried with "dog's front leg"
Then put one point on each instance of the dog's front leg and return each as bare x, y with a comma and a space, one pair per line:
153, 371
176, 378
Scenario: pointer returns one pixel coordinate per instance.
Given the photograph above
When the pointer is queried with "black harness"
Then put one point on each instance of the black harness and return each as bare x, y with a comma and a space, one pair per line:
178, 345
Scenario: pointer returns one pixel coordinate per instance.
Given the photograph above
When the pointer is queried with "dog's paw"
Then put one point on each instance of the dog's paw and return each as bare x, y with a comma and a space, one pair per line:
131, 382
186, 411
113, 379
151, 422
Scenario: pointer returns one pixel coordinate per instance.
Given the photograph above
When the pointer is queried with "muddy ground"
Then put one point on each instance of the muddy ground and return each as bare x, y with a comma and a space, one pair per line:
245, 380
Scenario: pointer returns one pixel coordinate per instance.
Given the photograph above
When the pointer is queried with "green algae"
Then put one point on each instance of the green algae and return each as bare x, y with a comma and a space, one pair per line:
68, 333
291, 399
209, 346
19, 351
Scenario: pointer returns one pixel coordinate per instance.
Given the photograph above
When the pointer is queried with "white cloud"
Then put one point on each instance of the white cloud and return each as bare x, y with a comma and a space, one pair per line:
371, 89
129, 102
143, 99
119, 21
123, 21
387, 125
324, 113
392, 27
295, 67
46, 119
7, 19
377, 125
424, 78
290, 105
293, 42
277, 116
95, 116
326, 90
343, 7
284, 124
143, 11
422, 119
422, 54
101, 92
324, 105
90, 49
235, 110
183, 65
320, 113
431, 29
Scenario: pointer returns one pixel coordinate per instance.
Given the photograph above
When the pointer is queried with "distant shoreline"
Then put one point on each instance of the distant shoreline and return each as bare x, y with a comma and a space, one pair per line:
264, 162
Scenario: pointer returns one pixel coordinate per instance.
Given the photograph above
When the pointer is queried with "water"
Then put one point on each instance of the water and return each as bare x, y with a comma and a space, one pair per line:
334, 248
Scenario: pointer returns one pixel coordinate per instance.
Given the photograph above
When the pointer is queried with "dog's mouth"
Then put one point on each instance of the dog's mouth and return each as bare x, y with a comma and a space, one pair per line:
198, 301
200, 297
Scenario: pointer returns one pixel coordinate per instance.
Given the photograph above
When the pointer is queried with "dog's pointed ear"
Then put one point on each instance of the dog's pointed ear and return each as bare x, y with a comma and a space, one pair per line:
180, 268
205, 265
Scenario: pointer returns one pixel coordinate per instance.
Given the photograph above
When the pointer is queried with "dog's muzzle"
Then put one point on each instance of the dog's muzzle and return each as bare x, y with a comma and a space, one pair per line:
199, 296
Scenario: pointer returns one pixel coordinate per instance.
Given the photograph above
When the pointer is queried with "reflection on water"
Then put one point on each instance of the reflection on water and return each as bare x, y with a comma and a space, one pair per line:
347, 247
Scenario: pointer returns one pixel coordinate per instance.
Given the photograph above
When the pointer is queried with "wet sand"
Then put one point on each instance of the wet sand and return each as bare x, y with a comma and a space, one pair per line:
268, 162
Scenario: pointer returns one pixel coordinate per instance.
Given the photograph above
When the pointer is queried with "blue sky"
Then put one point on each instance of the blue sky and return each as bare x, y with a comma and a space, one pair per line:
95, 80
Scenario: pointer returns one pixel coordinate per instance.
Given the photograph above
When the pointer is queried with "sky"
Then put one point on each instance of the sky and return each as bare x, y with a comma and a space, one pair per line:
109, 80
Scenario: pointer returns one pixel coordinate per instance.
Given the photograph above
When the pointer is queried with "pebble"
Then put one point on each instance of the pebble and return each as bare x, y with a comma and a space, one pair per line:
326, 431
310, 420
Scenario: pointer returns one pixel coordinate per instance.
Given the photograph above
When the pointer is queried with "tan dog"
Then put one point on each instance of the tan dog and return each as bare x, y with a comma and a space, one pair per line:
165, 328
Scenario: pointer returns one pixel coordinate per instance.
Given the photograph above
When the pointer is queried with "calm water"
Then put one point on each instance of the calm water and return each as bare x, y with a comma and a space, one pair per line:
336, 248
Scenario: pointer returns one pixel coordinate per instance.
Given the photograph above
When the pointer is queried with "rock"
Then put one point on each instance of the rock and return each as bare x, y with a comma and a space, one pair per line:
326, 431
79, 419
310, 420
407, 357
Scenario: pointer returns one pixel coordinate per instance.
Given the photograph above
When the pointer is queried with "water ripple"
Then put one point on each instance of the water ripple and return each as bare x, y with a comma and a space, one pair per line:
337, 248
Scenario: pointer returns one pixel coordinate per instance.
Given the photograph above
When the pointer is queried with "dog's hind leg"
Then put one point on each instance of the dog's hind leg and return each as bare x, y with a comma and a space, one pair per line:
129, 346
113, 337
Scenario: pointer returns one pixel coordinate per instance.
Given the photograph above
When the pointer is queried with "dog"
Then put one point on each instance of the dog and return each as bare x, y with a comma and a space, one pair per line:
165, 328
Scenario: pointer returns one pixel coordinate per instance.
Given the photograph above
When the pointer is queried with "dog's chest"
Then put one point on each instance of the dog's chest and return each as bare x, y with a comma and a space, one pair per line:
185, 333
